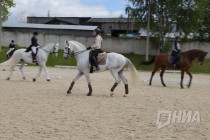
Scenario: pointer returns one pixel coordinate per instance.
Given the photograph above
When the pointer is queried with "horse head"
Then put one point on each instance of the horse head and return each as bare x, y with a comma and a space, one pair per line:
51, 48
201, 57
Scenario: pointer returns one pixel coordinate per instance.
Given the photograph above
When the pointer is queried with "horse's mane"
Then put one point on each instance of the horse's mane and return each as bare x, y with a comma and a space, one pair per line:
47, 46
77, 43
193, 51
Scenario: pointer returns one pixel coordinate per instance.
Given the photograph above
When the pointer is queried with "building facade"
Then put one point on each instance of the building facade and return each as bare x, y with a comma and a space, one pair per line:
109, 26
76, 30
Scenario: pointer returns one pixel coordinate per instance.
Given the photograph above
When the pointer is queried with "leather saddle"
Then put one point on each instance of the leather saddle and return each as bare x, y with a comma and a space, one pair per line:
175, 58
101, 58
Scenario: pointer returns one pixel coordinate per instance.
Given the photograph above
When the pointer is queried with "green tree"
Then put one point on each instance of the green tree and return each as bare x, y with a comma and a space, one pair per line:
204, 25
165, 15
5, 5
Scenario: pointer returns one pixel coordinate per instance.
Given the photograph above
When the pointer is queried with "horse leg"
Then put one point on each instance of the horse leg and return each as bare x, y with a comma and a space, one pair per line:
153, 73
188, 72
163, 68
182, 78
46, 73
87, 76
39, 73
114, 73
21, 70
79, 74
125, 81
11, 70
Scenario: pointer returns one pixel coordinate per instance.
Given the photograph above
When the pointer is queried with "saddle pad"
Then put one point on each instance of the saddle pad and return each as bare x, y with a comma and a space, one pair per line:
102, 58
172, 58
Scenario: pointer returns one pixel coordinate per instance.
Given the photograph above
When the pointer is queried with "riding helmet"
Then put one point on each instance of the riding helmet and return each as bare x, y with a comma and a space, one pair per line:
177, 37
12, 41
98, 31
35, 33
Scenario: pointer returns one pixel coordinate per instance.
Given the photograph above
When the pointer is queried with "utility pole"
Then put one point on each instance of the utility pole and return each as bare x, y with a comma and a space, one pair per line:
148, 33
48, 13
128, 21
0, 24
128, 12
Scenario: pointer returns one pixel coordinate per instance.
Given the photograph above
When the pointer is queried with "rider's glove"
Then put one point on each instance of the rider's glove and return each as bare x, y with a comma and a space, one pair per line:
88, 48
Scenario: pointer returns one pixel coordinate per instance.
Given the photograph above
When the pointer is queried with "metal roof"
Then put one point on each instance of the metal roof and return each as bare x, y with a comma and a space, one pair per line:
48, 26
109, 20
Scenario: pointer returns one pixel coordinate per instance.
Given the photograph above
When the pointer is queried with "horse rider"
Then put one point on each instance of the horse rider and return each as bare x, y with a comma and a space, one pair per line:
96, 47
11, 49
176, 50
33, 47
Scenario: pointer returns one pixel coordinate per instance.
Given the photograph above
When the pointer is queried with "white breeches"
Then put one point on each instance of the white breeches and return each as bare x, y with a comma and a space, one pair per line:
34, 49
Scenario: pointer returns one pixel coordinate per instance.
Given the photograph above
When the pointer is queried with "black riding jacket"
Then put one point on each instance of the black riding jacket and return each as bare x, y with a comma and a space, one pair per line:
34, 42
11, 45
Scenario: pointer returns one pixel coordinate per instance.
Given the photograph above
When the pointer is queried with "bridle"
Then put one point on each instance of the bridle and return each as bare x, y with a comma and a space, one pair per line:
197, 59
74, 53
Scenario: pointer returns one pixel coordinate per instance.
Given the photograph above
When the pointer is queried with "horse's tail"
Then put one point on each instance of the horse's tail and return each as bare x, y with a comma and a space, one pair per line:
149, 62
134, 74
8, 63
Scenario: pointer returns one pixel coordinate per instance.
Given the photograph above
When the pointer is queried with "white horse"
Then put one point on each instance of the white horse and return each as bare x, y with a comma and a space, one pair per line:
20, 56
116, 63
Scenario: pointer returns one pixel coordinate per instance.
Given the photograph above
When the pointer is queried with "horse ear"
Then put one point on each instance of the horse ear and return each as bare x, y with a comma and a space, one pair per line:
65, 42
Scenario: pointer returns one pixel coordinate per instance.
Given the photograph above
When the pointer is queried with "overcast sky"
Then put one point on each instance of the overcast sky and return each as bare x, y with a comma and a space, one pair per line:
64, 8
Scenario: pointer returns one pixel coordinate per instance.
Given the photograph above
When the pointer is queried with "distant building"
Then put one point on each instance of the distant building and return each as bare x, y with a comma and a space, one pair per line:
59, 20
109, 26
78, 30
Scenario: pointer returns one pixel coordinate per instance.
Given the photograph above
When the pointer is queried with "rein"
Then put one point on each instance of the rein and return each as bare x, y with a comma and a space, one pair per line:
74, 53
49, 51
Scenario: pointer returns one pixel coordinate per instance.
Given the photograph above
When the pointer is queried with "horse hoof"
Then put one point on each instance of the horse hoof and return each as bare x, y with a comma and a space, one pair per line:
150, 84
68, 92
4, 69
34, 80
164, 86
188, 86
24, 78
111, 94
48, 80
8, 78
89, 94
182, 87
125, 95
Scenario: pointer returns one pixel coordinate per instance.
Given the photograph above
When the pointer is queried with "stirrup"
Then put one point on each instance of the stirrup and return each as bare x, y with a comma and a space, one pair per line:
97, 69
34, 61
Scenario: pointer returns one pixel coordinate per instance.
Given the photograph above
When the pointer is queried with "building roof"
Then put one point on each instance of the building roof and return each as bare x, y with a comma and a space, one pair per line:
72, 20
48, 26
108, 20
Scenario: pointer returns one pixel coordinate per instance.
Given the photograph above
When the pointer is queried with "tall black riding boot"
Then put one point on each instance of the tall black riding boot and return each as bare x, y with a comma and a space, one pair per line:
95, 63
34, 58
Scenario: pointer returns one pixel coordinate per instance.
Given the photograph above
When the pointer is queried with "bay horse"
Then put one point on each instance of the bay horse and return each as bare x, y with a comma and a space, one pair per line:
115, 63
162, 62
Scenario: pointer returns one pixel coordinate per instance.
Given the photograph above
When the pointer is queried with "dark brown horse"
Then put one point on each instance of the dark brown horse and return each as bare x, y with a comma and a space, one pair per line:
162, 62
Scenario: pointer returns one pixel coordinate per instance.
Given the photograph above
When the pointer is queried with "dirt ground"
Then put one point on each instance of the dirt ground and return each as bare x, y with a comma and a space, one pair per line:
42, 111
